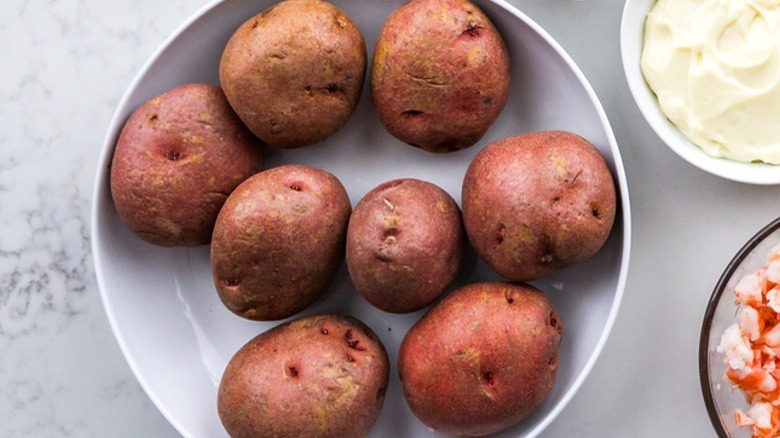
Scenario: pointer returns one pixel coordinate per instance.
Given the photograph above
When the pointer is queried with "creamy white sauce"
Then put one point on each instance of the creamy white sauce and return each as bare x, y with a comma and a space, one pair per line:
715, 67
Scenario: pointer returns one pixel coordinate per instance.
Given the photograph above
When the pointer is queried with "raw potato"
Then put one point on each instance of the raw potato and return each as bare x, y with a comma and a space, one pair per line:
538, 202
177, 159
440, 74
482, 359
405, 244
279, 241
319, 376
294, 73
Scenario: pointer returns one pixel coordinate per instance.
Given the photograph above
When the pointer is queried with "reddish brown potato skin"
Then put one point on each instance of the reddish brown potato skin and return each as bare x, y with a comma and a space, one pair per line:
319, 376
294, 73
482, 359
177, 159
405, 244
440, 74
279, 240
538, 202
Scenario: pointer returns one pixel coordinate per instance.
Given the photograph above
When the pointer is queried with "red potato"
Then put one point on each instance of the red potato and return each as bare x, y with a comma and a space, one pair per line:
279, 241
177, 159
405, 244
294, 73
481, 359
318, 376
538, 202
440, 74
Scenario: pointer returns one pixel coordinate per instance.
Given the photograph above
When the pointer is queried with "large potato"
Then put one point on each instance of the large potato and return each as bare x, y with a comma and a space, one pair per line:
405, 244
440, 74
319, 376
279, 240
177, 159
482, 359
294, 72
538, 202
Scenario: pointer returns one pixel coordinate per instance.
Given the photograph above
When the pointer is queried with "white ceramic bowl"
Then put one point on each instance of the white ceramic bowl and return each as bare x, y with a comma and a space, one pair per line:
161, 303
631, 36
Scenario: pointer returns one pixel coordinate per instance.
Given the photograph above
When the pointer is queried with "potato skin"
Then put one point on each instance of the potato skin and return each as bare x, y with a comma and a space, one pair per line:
279, 240
538, 202
440, 74
482, 359
294, 72
177, 159
318, 376
405, 244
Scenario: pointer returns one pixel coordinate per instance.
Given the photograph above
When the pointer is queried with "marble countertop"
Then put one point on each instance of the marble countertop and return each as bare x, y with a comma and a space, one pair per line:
66, 65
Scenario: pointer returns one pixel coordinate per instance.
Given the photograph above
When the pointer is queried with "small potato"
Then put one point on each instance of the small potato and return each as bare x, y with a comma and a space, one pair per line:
440, 74
279, 240
177, 159
482, 359
318, 376
405, 244
294, 72
538, 202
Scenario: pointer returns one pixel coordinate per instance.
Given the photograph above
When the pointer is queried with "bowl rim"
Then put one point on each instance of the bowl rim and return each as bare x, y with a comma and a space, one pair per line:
705, 333
621, 182
756, 173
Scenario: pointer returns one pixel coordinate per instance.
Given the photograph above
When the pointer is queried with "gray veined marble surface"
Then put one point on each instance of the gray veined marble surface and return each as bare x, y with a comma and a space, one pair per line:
64, 65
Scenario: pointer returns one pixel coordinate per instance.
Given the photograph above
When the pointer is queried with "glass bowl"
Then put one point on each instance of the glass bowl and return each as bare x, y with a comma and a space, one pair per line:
720, 398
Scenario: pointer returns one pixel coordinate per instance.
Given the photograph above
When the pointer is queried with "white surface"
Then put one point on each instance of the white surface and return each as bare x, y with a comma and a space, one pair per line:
158, 298
67, 64
632, 30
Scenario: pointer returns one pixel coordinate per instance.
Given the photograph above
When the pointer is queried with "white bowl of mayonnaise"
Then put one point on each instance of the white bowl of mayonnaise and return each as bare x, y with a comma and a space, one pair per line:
706, 77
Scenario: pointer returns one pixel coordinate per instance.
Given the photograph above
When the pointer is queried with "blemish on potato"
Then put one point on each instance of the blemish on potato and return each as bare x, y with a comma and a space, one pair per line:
412, 113
173, 156
333, 88
500, 234
509, 296
472, 29
392, 221
469, 356
153, 118
577, 175
168, 226
352, 342
231, 282
553, 320
487, 378
431, 80
389, 204
560, 163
